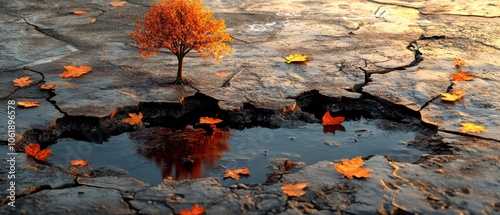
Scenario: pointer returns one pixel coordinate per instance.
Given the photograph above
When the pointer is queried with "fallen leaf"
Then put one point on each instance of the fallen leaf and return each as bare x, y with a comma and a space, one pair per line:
222, 74
92, 20
468, 127
27, 104
209, 120
195, 210
453, 96
117, 3
79, 12
333, 128
329, 120
79, 162
290, 108
73, 71
33, 150
296, 58
351, 168
47, 86
462, 76
235, 174
22, 82
458, 62
113, 114
296, 190
134, 119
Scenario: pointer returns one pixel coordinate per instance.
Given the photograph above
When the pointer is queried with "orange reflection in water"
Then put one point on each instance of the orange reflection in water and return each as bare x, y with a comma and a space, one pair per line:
182, 153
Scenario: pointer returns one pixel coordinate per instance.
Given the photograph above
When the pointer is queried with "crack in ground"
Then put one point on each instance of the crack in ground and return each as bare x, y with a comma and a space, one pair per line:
18, 88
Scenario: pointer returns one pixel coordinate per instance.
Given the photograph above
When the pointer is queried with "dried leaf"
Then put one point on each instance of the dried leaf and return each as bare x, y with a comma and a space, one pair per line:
236, 173
462, 76
296, 190
453, 96
47, 86
22, 82
195, 210
329, 120
351, 168
73, 71
209, 120
92, 20
27, 104
117, 3
79, 162
79, 12
134, 119
296, 58
468, 127
458, 62
33, 150
222, 74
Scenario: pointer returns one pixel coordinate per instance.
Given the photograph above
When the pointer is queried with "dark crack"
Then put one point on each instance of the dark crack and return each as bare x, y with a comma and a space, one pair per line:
42, 80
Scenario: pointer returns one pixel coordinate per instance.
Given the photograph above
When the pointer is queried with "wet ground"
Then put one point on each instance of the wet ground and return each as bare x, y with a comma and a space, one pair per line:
385, 60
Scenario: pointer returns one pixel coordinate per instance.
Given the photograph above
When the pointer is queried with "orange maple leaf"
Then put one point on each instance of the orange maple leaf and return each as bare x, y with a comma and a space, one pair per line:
79, 162
79, 12
73, 71
235, 174
195, 210
329, 120
27, 104
22, 82
33, 150
47, 86
453, 96
462, 76
117, 3
296, 190
458, 62
209, 120
468, 127
134, 119
351, 168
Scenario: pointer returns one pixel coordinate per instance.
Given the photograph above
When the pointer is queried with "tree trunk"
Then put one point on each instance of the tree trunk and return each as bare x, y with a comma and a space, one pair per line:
180, 75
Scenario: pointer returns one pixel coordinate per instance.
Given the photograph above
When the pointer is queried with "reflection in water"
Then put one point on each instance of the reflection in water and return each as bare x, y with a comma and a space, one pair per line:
333, 128
181, 153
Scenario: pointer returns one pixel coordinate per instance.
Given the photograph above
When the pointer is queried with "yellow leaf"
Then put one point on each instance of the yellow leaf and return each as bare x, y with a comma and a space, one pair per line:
73, 71
117, 3
134, 119
296, 58
468, 127
294, 189
27, 104
453, 96
209, 120
22, 82
92, 20
235, 174
350, 168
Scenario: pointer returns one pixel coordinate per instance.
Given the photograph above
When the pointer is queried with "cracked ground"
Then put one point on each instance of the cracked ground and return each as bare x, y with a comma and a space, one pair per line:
389, 58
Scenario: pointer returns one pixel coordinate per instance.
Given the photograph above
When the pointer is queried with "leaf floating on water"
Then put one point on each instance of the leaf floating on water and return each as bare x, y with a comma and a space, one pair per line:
236, 173
329, 120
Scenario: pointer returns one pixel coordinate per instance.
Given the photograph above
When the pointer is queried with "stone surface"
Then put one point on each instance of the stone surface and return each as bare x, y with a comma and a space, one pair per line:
341, 38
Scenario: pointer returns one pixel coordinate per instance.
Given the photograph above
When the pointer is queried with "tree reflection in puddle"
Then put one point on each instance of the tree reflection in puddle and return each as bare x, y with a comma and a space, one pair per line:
181, 154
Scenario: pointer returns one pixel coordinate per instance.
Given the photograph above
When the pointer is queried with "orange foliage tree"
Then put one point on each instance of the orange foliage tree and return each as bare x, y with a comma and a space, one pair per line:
181, 26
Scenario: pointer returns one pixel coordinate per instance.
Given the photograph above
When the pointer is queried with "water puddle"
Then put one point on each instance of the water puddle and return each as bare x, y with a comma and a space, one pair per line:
153, 154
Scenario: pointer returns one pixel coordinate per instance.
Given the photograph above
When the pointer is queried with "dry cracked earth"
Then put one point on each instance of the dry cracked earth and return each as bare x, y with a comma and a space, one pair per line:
389, 59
